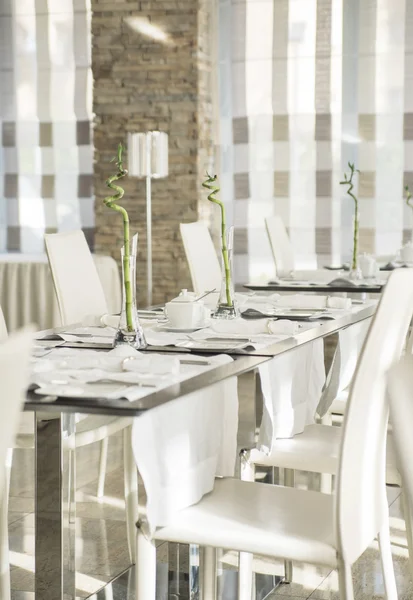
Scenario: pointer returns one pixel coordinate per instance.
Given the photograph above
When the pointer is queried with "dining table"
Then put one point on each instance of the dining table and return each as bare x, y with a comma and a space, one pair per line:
55, 426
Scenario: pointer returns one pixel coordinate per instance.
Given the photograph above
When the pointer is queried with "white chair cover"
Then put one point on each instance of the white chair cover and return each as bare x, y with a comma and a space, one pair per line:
3, 327
181, 446
78, 288
400, 385
201, 256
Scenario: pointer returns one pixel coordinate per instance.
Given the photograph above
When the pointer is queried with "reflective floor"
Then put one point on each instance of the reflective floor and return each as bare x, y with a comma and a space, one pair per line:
101, 539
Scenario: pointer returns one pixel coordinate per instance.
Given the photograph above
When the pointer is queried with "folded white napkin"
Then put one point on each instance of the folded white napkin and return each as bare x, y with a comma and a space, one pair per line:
263, 299
317, 275
89, 334
303, 301
254, 327
123, 364
163, 338
154, 364
101, 321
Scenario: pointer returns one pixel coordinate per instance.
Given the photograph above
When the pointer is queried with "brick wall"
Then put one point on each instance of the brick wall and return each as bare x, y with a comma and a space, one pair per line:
151, 63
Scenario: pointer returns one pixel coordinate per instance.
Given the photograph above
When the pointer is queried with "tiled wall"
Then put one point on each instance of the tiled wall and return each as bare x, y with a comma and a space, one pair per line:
46, 161
306, 86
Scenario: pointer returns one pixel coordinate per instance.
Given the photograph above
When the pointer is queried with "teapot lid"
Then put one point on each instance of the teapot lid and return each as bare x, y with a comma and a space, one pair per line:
185, 296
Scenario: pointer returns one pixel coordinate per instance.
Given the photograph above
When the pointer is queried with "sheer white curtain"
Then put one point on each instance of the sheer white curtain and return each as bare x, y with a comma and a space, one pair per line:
305, 87
46, 162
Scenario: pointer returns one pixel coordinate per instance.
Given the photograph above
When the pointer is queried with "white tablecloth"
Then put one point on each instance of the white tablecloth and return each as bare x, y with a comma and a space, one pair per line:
291, 386
27, 294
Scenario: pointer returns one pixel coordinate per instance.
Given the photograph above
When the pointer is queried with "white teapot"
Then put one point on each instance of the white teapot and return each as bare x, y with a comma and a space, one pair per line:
406, 253
368, 265
185, 312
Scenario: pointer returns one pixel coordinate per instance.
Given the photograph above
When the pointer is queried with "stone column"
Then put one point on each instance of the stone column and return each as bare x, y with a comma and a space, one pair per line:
151, 63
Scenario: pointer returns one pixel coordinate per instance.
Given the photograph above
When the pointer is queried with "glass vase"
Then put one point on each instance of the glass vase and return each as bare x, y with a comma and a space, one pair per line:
227, 307
130, 332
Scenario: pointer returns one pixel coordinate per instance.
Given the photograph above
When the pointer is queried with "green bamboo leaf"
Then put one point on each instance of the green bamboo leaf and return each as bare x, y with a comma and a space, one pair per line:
209, 184
112, 202
348, 181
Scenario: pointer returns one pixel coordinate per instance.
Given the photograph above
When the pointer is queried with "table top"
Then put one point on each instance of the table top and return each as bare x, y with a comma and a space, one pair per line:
370, 288
244, 361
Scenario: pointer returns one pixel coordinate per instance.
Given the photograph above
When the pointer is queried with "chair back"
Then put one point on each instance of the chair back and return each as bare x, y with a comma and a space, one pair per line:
361, 503
281, 246
78, 288
400, 388
201, 256
14, 370
3, 326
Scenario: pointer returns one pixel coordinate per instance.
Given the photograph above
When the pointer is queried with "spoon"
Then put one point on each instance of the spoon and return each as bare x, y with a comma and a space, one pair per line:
206, 294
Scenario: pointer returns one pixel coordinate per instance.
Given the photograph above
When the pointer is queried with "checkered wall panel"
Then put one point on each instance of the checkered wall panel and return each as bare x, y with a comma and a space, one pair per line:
46, 161
305, 87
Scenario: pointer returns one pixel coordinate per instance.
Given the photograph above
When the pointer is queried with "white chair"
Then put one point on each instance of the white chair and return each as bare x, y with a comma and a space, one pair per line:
201, 256
283, 253
281, 246
75, 278
14, 363
80, 295
299, 525
400, 387
88, 430
317, 448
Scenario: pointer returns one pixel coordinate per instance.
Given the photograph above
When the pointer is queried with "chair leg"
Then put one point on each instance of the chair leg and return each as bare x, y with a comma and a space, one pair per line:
145, 572
72, 486
245, 574
409, 527
130, 476
289, 481
389, 580
209, 574
327, 419
102, 466
5, 593
326, 479
345, 581
326, 483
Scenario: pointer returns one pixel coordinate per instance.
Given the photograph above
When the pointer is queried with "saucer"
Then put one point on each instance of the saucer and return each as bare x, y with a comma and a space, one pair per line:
167, 327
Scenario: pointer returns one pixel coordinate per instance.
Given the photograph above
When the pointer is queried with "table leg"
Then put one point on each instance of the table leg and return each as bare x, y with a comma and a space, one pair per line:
55, 508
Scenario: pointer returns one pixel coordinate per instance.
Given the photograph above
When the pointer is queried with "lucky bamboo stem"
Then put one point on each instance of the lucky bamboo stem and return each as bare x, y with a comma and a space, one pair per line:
208, 183
111, 201
349, 182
